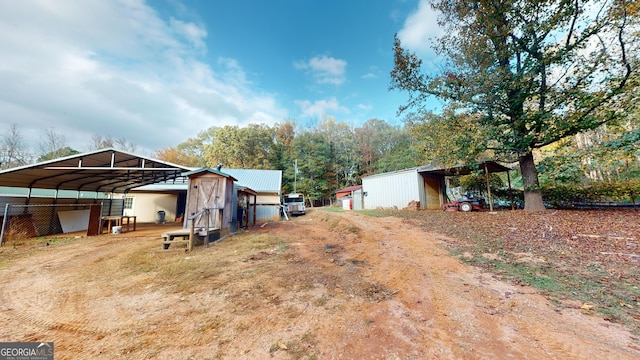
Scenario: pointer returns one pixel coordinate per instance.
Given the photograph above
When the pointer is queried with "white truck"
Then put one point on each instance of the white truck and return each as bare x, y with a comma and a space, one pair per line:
294, 204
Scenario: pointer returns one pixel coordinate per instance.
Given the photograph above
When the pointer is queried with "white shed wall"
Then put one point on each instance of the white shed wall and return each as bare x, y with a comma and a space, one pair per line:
394, 189
147, 205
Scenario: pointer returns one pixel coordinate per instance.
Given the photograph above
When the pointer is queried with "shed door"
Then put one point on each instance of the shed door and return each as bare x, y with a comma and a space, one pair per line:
357, 200
432, 192
210, 196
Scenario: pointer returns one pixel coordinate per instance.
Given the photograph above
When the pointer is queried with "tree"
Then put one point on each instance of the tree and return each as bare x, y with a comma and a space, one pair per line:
190, 152
316, 176
236, 147
280, 157
53, 145
528, 72
383, 147
13, 151
344, 159
448, 138
58, 153
194, 148
177, 156
102, 142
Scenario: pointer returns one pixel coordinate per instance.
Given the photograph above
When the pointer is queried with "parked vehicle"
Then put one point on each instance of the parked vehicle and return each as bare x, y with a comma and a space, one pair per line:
466, 203
294, 204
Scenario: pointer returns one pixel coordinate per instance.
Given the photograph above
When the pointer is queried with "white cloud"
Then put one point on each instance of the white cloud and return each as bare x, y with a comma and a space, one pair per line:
419, 28
325, 70
365, 107
193, 33
321, 107
373, 73
117, 69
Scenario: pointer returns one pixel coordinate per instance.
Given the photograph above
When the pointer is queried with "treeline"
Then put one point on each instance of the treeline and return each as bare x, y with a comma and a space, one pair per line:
322, 159
333, 155
15, 152
316, 161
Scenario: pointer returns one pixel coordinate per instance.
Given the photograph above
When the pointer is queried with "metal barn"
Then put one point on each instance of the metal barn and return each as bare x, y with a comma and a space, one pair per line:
425, 184
398, 188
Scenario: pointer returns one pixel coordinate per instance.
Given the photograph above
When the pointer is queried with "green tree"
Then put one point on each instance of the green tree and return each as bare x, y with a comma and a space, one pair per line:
58, 153
343, 154
315, 176
401, 155
383, 147
285, 133
190, 152
176, 156
529, 73
234, 147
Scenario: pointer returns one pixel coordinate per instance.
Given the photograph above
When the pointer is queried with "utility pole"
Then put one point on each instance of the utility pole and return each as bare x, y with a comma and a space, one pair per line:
295, 175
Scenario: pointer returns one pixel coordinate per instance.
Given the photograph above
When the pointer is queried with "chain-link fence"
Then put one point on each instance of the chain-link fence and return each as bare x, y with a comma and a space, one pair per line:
20, 221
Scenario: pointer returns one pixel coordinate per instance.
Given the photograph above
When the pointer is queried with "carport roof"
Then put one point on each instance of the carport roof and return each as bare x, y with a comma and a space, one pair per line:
105, 170
491, 167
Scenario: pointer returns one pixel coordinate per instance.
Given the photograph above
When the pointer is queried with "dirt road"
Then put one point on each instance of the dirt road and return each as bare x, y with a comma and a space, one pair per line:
323, 286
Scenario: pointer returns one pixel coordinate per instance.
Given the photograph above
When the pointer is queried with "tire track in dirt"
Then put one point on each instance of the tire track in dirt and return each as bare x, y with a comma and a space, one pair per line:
330, 285
51, 293
448, 309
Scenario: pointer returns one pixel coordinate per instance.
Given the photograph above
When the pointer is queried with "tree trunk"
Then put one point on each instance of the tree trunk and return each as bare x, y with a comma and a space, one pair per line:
532, 193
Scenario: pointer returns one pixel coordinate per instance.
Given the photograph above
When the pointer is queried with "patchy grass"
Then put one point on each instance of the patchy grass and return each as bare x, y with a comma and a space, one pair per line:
16, 249
569, 256
301, 347
334, 209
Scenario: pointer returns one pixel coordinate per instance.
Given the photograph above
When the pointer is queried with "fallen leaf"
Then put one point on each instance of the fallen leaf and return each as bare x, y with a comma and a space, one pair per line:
586, 306
282, 345
622, 303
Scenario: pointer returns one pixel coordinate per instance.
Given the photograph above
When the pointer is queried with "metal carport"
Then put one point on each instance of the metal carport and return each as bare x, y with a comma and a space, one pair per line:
486, 167
101, 171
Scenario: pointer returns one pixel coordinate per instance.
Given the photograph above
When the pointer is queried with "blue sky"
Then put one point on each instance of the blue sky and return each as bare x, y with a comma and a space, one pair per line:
158, 72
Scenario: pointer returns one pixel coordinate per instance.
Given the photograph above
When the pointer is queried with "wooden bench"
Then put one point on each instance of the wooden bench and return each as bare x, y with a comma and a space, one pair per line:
182, 236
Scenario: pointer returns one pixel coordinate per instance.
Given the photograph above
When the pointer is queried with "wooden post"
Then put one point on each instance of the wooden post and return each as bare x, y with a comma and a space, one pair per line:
486, 173
510, 191
255, 209
193, 225
206, 236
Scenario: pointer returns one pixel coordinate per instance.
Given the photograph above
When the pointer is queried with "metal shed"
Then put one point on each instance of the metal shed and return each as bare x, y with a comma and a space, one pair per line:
393, 189
425, 184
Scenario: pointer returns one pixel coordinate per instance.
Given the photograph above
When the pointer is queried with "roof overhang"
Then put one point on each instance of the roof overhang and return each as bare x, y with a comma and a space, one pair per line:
106, 170
247, 190
489, 166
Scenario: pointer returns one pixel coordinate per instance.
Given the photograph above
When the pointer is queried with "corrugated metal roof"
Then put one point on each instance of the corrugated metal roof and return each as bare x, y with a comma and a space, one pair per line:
105, 170
262, 181
492, 167
207, 170
414, 169
49, 193
349, 189
259, 180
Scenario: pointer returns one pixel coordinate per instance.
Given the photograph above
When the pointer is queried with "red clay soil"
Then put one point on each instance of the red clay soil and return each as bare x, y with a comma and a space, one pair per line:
322, 286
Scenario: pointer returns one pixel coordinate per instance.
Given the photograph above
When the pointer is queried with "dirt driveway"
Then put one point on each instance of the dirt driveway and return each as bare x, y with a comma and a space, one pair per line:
323, 286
